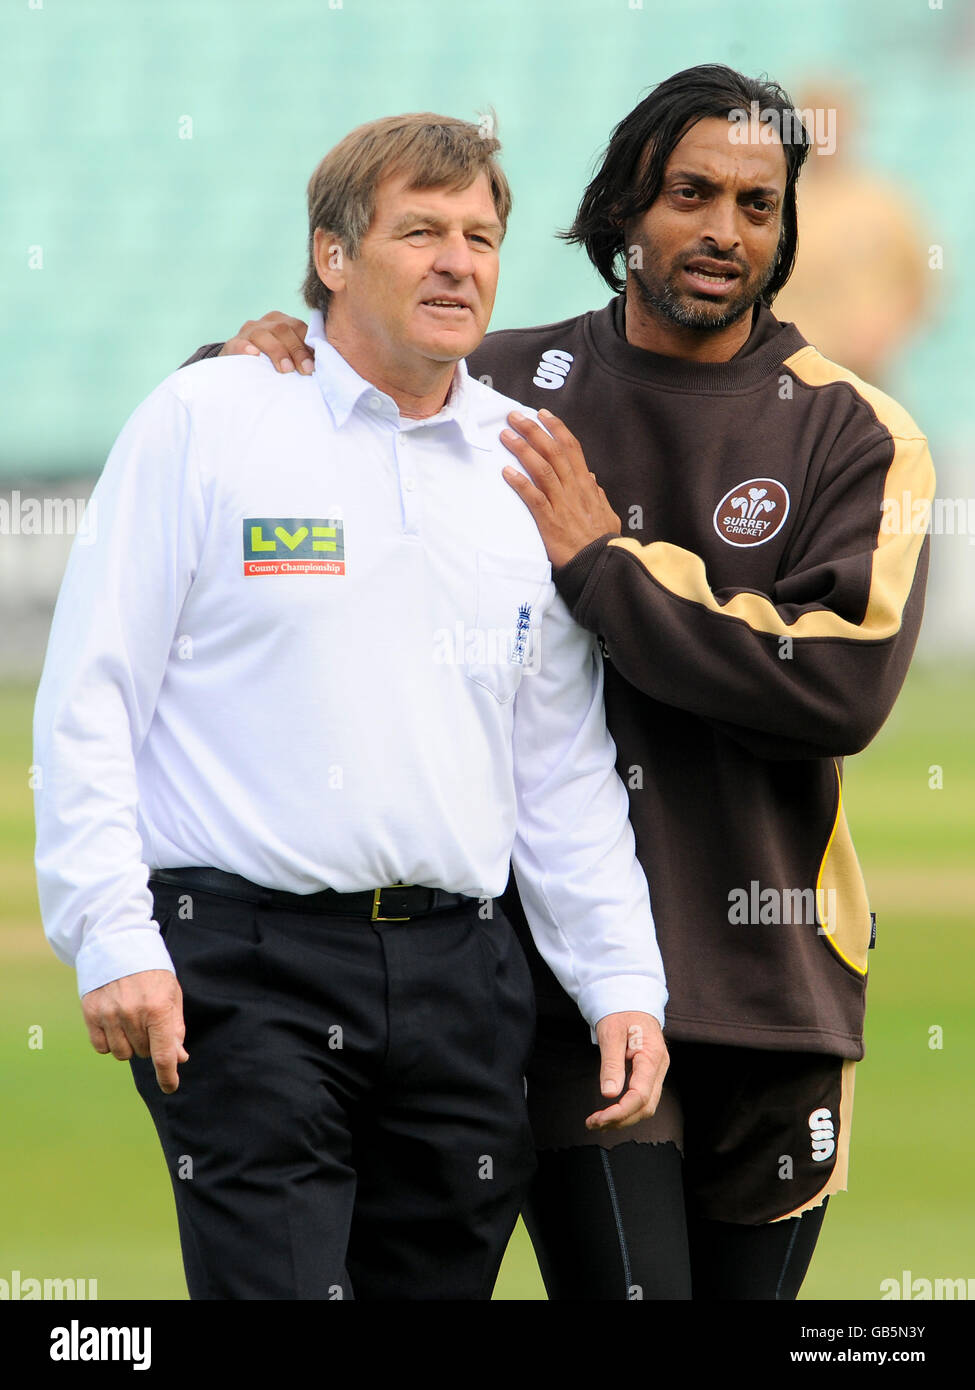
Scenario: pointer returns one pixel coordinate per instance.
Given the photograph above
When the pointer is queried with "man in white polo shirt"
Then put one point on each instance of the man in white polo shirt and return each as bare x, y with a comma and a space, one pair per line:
305, 694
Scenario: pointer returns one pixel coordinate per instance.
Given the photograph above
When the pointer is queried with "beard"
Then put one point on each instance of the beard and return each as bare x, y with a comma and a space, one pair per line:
659, 293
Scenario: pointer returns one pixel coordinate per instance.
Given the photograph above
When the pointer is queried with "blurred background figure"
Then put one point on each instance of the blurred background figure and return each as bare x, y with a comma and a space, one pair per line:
861, 284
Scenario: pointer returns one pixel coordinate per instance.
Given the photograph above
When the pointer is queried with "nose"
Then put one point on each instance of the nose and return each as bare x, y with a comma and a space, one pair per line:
721, 224
454, 256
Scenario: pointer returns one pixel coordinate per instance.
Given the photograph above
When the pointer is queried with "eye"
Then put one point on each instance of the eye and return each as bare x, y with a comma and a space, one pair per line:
686, 193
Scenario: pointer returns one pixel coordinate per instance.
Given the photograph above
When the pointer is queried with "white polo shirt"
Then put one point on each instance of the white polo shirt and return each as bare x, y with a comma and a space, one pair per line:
317, 644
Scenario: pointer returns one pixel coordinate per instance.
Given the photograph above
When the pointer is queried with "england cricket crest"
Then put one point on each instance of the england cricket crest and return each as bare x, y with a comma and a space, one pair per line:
522, 647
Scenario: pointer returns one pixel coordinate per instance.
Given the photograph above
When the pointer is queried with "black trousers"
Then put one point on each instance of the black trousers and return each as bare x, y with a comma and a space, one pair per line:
352, 1120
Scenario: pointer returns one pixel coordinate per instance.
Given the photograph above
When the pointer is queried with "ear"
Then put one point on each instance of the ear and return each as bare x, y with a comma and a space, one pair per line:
329, 260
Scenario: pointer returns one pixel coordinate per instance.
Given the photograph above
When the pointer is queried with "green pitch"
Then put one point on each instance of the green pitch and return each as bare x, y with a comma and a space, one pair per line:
85, 1193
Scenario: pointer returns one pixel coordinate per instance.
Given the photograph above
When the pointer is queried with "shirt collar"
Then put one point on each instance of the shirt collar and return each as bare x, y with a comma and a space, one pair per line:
343, 388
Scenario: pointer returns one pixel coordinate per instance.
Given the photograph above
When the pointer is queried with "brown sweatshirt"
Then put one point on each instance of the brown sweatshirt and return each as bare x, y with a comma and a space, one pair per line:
758, 615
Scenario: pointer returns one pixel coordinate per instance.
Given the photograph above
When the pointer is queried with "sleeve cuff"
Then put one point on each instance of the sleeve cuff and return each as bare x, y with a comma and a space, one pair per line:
622, 994
108, 958
571, 579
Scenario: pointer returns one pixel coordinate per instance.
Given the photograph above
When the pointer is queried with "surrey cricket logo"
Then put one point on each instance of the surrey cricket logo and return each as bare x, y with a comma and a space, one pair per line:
293, 545
752, 512
522, 633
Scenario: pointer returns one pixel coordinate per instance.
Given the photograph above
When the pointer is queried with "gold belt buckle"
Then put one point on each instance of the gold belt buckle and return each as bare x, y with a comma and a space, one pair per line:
375, 905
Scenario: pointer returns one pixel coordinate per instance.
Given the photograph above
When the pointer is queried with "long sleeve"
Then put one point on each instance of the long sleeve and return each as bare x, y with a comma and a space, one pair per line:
583, 891
810, 668
113, 628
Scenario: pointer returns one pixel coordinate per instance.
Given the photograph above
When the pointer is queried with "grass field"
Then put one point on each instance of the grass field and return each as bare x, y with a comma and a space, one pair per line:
85, 1193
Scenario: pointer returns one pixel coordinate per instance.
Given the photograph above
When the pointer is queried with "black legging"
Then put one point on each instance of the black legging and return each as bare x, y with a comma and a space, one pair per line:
611, 1224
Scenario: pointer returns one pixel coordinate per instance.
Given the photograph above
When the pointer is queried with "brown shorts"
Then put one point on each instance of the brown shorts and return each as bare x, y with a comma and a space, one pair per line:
764, 1135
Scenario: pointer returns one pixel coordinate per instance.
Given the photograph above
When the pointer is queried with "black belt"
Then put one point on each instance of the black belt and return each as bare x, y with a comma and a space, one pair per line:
395, 904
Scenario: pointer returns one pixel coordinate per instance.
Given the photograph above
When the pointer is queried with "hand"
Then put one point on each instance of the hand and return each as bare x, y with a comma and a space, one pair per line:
569, 506
140, 1013
634, 1038
282, 338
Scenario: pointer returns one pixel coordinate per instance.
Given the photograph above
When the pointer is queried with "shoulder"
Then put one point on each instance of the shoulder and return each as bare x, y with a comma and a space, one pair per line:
519, 344
490, 406
225, 378
210, 410
223, 398
511, 527
820, 374
515, 337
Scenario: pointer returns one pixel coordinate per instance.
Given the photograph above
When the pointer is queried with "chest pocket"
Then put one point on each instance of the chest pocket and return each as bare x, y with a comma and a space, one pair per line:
504, 643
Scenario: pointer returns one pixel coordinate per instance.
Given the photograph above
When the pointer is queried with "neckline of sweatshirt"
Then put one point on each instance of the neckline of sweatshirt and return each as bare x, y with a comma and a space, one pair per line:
768, 345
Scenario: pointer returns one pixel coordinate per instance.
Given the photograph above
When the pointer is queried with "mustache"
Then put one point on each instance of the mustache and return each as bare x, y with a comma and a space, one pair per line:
725, 257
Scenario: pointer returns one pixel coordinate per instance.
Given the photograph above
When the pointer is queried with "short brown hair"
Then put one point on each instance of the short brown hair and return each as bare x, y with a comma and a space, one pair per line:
435, 151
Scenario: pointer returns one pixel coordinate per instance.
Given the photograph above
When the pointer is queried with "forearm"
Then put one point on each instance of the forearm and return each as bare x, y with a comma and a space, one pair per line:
591, 919
107, 655
809, 669
584, 894
91, 877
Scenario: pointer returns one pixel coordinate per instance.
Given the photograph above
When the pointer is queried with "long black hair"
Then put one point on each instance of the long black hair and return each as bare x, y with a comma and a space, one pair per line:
631, 173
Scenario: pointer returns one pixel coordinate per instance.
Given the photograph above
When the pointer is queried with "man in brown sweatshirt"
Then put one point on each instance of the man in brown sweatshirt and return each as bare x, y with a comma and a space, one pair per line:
755, 570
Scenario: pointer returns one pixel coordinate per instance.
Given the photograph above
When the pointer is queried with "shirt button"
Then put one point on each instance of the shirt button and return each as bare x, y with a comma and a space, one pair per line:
375, 403
409, 484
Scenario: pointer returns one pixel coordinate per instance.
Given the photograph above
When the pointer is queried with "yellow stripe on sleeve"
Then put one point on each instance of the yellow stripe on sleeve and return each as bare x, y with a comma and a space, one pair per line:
910, 476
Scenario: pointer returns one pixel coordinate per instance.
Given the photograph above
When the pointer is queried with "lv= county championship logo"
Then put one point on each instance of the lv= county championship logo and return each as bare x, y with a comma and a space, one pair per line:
293, 545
